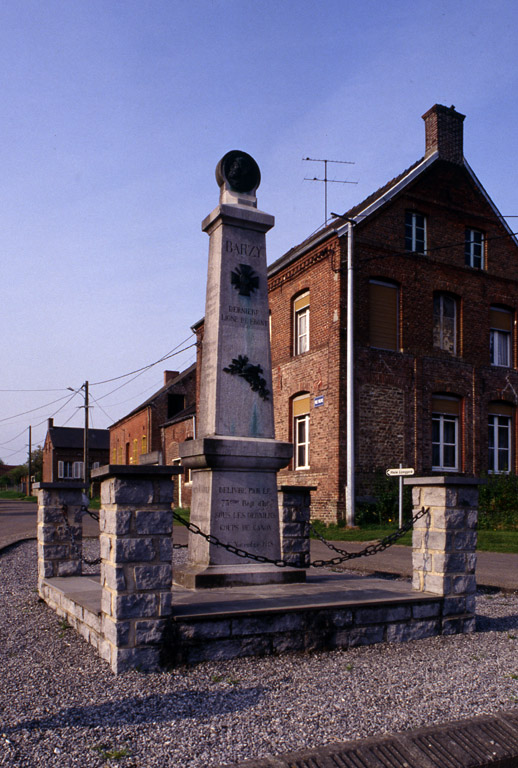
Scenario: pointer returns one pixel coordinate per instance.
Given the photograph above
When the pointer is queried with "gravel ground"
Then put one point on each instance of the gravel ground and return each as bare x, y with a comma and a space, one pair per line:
61, 706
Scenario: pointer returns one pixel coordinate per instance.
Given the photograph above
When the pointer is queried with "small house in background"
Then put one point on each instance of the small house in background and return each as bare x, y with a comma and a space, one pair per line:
145, 434
63, 452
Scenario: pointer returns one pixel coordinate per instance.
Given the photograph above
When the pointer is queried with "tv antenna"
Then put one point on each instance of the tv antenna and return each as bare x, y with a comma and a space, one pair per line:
325, 179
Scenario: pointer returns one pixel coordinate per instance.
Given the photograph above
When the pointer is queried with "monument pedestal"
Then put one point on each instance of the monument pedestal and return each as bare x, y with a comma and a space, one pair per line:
235, 460
234, 498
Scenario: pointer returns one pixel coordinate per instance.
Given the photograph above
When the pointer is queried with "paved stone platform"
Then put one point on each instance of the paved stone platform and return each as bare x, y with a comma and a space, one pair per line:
480, 742
327, 611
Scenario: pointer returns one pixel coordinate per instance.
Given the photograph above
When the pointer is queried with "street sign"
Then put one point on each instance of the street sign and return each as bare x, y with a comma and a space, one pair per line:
400, 472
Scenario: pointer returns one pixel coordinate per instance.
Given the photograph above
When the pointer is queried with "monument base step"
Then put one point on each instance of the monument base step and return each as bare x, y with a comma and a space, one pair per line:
217, 576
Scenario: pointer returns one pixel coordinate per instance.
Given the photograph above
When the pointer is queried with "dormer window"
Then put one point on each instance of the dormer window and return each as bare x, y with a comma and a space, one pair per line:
474, 249
415, 232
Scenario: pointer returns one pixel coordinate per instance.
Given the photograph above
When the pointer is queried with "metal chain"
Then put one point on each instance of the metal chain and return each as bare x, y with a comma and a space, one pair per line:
371, 549
70, 533
86, 511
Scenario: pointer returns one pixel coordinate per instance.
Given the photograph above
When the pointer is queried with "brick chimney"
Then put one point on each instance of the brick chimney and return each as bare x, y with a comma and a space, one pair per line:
50, 423
444, 133
170, 375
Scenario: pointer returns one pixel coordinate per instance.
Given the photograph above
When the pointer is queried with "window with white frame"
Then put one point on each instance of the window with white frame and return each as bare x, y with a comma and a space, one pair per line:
65, 470
78, 470
70, 470
445, 322
500, 335
415, 232
474, 249
445, 433
499, 437
301, 324
301, 406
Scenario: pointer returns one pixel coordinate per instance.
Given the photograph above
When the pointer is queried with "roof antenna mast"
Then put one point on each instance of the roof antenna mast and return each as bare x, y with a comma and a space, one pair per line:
325, 179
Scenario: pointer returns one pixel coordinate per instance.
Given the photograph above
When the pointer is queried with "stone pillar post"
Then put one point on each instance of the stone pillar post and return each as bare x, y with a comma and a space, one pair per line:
444, 544
60, 529
136, 523
294, 509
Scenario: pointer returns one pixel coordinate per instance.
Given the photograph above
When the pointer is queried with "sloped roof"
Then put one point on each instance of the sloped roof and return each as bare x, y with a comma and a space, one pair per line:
374, 200
372, 203
159, 392
72, 437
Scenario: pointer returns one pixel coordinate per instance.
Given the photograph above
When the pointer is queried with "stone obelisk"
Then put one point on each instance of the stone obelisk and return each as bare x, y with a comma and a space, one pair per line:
235, 458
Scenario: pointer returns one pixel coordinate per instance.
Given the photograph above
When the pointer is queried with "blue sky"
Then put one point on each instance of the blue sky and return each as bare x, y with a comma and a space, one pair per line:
114, 116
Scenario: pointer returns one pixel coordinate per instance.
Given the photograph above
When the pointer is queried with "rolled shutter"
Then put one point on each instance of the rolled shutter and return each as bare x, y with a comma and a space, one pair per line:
499, 408
383, 315
301, 302
446, 405
301, 405
500, 319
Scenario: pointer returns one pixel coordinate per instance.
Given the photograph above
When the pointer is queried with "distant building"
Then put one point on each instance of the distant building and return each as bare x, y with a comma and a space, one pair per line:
63, 452
150, 433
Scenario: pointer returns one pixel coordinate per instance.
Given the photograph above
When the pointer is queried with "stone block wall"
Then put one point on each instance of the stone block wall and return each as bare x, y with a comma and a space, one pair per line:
444, 546
60, 529
294, 510
136, 525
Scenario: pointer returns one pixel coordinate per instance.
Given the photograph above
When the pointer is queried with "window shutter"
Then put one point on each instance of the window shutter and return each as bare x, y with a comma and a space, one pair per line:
446, 405
383, 315
301, 405
500, 319
500, 408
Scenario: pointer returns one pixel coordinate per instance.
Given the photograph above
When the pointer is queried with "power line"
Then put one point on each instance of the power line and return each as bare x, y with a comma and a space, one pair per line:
168, 355
61, 389
31, 410
100, 406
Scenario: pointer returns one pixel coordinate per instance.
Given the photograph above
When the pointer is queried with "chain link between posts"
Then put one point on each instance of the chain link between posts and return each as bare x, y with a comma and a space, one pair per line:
70, 533
370, 549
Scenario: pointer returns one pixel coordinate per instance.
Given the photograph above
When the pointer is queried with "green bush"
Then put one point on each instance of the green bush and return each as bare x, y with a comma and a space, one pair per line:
498, 503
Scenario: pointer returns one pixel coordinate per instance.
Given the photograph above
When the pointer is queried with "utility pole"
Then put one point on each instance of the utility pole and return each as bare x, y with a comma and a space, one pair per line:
29, 463
325, 179
86, 468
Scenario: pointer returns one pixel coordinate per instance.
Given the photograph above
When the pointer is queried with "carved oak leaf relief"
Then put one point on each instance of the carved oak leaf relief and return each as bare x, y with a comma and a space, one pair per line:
240, 366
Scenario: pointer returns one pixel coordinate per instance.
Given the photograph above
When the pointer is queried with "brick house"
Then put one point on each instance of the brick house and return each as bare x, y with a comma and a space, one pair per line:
63, 452
435, 343
139, 437
175, 431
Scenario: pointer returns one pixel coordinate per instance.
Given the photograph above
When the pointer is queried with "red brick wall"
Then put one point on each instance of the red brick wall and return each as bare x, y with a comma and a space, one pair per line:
148, 422
316, 372
174, 434
132, 428
394, 389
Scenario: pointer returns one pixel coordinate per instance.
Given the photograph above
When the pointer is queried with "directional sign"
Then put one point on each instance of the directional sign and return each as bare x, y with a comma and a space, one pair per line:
400, 472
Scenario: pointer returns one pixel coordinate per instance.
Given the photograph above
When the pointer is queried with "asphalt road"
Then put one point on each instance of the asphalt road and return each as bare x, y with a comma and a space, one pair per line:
18, 521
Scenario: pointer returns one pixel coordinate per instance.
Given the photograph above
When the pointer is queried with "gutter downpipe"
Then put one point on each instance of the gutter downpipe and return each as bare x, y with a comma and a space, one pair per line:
350, 493
350, 488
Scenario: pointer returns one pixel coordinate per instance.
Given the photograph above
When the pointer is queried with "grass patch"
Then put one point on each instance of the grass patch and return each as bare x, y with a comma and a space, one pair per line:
184, 513
488, 541
16, 496
498, 541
